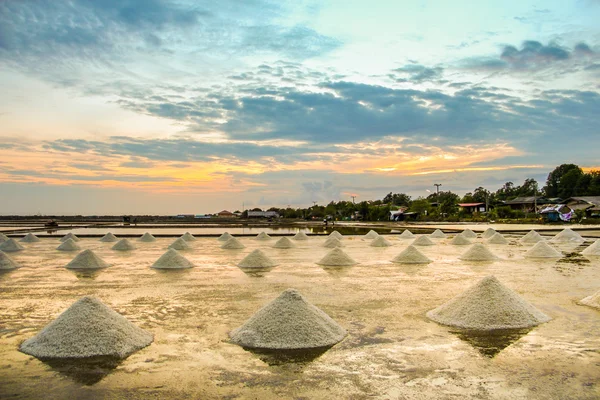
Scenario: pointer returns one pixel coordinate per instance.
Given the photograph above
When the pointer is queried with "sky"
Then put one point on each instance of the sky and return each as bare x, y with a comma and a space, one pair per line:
170, 107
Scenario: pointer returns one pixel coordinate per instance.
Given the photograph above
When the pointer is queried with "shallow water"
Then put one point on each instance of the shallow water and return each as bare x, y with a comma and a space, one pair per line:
392, 351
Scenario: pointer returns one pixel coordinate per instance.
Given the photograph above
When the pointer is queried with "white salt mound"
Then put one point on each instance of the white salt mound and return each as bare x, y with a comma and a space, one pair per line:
224, 237
284, 243
109, 237
380, 241
411, 255
123, 245
30, 238
87, 329
497, 238
172, 260
6, 262
478, 252
567, 235
423, 241
542, 250
147, 237
488, 233
3, 237
371, 235
188, 237
336, 234
11, 245
460, 240
257, 259
438, 234
87, 259
70, 235
68, 245
179, 244
300, 236
337, 258
593, 249
288, 322
263, 236
592, 301
232, 244
532, 237
406, 235
333, 242
488, 305
469, 234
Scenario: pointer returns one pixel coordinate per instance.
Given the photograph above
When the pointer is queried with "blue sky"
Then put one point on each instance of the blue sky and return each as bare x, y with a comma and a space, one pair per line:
177, 106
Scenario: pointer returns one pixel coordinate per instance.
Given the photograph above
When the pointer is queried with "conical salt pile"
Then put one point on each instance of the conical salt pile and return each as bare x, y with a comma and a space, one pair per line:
147, 237
87, 329
3, 237
70, 235
288, 322
109, 237
284, 243
232, 244
6, 262
469, 234
333, 242
371, 235
406, 235
532, 237
68, 245
460, 240
224, 237
30, 238
438, 234
257, 259
188, 237
567, 235
488, 305
172, 260
336, 234
11, 245
123, 245
87, 259
423, 241
179, 244
478, 252
337, 258
593, 249
263, 236
488, 233
300, 236
542, 250
592, 301
497, 238
380, 241
411, 255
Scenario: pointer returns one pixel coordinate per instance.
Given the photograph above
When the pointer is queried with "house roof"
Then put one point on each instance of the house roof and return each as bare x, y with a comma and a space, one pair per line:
470, 204
525, 200
225, 212
590, 200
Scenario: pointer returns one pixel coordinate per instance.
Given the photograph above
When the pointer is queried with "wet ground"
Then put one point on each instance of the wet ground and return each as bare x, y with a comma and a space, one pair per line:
392, 351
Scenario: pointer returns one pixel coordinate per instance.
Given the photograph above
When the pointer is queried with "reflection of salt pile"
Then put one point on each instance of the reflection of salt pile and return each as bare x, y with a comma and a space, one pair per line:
460, 240
224, 237
284, 243
488, 305
87, 329
337, 258
6, 262
262, 236
488, 233
188, 237
469, 234
147, 237
438, 234
478, 252
109, 237
70, 235
592, 301
300, 236
542, 250
406, 235
172, 260
423, 241
497, 238
288, 322
380, 241
3, 237
567, 235
257, 259
336, 234
11, 245
179, 244
123, 245
232, 244
30, 238
87, 259
68, 245
532, 237
371, 235
593, 249
411, 255
333, 242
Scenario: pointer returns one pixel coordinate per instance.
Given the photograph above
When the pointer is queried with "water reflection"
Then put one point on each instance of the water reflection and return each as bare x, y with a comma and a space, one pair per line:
275, 357
337, 271
87, 371
84, 274
490, 343
256, 272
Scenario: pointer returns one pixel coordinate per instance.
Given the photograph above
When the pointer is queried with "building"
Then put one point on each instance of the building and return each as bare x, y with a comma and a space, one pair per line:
263, 214
556, 213
225, 214
473, 207
590, 204
526, 203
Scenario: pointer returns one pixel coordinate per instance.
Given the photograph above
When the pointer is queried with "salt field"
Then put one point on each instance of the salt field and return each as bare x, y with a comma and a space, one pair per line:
391, 350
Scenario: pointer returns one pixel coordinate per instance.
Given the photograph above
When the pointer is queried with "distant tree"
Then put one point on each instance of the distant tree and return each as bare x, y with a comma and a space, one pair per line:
397, 199
256, 209
421, 206
557, 186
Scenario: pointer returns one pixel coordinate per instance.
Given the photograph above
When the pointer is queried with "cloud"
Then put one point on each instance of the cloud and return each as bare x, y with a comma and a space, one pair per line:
417, 73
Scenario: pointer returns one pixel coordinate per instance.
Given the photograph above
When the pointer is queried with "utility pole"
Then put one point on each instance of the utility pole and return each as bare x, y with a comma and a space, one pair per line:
437, 193
353, 197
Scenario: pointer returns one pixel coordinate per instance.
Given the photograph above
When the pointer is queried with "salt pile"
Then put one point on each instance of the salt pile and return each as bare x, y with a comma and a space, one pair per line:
300, 236
371, 235
68, 245
233, 244
11, 245
3, 237
592, 301
87, 329
438, 234
147, 237
123, 245
422, 241
542, 250
478, 252
469, 234
288, 322
70, 235
567, 235
488, 305
336, 234
337, 258
257, 259
6, 262
263, 236
109, 237
333, 242
411, 255
179, 244
284, 243
406, 235
188, 237
224, 237
532, 237
380, 241
497, 238
460, 240
30, 238
488, 233
87, 259
172, 260
593, 249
